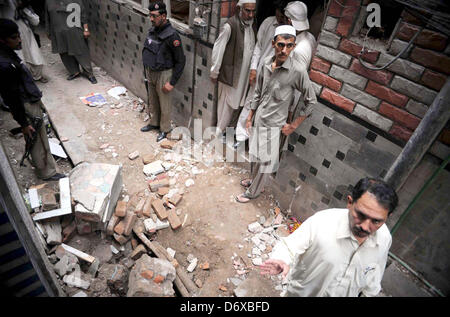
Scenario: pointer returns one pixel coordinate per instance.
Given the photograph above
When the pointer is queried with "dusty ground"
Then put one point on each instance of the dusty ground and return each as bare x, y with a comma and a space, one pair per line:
215, 225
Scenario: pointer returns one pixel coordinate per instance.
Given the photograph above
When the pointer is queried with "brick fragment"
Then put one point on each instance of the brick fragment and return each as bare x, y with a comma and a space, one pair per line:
167, 144
174, 221
158, 279
148, 158
154, 185
147, 274
147, 210
120, 227
69, 231
140, 207
121, 239
175, 199
134, 243
111, 224
121, 208
160, 210
137, 253
129, 222
163, 191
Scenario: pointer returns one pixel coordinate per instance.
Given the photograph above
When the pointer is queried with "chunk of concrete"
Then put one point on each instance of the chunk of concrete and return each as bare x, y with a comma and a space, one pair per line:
140, 286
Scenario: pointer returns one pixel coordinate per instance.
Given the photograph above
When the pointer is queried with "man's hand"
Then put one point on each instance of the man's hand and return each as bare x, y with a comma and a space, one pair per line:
86, 34
252, 77
287, 129
274, 267
28, 131
248, 123
214, 80
167, 88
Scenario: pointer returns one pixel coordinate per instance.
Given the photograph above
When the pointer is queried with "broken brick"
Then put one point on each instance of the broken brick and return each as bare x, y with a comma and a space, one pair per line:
154, 185
69, 231
134, 243
163, 191
199, 283
167, 144
121, 208
121, 239
147, 274
174, 221
129, 221
148, 158
175, 199
204, 266
120, 227
147, 210
160, 210
111, 224
159, 279
49, 201
137, 253
139, 208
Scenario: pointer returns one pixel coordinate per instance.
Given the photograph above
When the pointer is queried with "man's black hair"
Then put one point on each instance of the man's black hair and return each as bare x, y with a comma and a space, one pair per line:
280, 5
383, 192
8, 28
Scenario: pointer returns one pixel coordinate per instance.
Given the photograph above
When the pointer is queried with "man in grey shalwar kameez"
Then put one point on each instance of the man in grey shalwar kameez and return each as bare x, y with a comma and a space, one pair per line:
231, 57
69, 40
279, 78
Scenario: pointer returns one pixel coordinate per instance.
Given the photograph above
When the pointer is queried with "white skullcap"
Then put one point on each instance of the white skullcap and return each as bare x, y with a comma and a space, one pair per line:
297, 11
285, 29
241, 2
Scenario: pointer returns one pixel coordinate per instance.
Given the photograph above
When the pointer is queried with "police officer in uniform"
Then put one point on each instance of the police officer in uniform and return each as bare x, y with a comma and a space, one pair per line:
164, 61
23, 97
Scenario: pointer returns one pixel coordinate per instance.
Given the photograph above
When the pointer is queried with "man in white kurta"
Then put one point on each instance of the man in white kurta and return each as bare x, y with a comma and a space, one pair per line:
339, 252
263, 48
231, 99
26, 18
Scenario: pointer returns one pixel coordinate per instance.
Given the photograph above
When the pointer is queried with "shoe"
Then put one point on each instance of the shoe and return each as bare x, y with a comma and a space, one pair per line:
149, 127
161, 136
92, 79
237, 144
55, 177
73, 76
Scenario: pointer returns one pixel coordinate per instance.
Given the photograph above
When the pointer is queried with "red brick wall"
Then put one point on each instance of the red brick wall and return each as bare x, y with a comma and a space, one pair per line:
397, 101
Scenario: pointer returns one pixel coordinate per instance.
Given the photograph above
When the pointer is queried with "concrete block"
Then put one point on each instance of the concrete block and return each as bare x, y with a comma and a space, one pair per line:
402, 67
329, 39
74, 281
334, 56
330, 23
348, 77
360, 96
373, 118
411, 89
153, 168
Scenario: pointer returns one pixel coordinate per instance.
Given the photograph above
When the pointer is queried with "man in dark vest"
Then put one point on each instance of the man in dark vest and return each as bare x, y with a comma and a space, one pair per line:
164, 62
23, 97
231, 57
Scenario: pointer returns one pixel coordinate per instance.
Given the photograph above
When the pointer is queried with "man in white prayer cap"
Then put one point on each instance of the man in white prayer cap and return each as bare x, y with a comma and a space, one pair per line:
231, 57
262, 49
279, 78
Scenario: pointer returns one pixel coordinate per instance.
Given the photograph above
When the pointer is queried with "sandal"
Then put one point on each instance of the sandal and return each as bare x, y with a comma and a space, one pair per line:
247, 182
243, 198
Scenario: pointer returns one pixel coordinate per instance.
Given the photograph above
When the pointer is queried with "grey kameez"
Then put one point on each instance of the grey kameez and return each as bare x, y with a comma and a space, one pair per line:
273, 97
67, 41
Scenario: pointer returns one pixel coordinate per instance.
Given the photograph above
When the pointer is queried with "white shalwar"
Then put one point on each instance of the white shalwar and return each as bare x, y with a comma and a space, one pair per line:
232, 98
325, 258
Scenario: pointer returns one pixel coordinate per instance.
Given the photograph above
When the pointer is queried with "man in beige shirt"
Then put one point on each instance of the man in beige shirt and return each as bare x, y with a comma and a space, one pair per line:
279, 78
339, 252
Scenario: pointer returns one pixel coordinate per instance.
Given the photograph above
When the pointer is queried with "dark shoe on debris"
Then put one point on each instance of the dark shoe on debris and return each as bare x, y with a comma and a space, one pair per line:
92, 79
55, 177
161, 136
73, 76
149, 127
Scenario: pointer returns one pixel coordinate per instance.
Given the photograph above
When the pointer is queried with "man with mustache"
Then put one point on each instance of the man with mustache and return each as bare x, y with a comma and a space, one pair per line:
164, 62
339, 252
